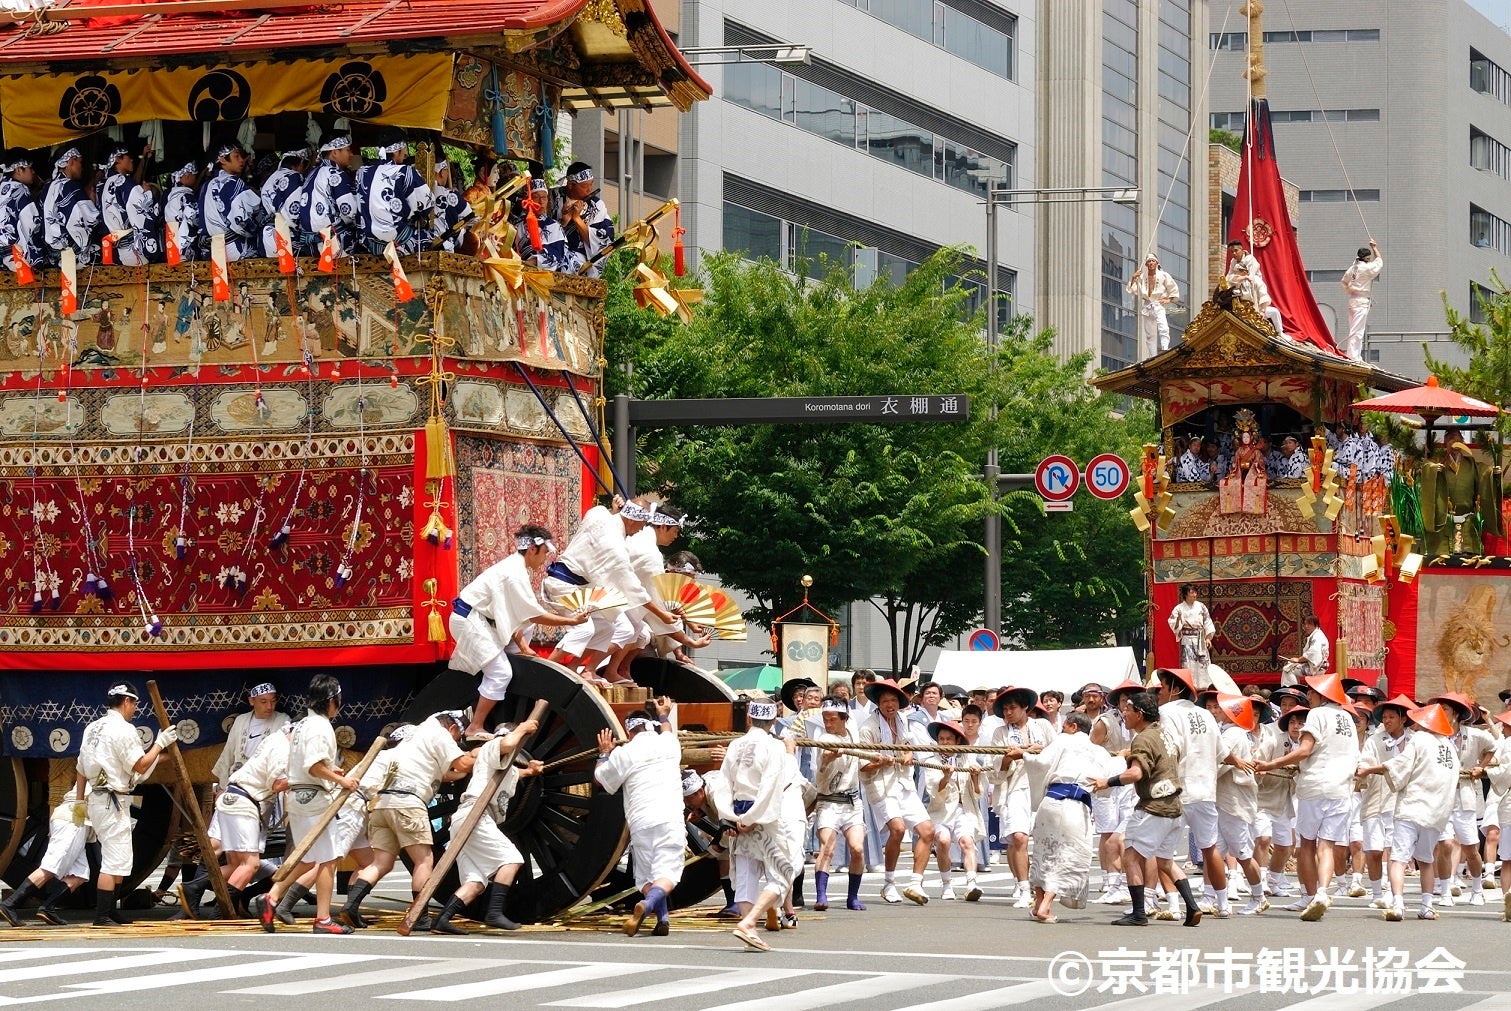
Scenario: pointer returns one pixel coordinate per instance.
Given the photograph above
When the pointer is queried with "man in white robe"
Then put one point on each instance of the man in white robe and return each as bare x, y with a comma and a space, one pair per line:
1010, 790
647, 768
756, 768
891, 791
1357, 281
491, 617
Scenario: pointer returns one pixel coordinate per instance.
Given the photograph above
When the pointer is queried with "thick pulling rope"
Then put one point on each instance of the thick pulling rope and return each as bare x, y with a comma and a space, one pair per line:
861, 746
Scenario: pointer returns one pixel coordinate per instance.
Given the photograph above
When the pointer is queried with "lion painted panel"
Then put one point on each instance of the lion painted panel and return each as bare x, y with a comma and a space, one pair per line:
1463, 635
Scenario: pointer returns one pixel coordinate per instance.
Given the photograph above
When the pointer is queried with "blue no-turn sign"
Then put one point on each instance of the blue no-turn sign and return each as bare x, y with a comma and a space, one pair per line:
983, 640
1057, 478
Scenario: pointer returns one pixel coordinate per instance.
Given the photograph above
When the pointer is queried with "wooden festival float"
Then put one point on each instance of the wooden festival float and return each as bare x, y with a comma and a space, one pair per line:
1401, 588
217, 492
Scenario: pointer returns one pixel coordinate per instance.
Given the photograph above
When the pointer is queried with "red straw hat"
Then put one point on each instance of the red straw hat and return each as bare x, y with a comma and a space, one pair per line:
1128, 687
1460, 703
876, 688
1025, 697
1329, 686
1299, 713
1239, 709
1181, 674
1505, 719
1432, 718
939, 725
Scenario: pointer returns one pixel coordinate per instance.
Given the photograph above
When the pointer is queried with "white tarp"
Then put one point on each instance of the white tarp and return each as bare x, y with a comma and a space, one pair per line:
1040, 669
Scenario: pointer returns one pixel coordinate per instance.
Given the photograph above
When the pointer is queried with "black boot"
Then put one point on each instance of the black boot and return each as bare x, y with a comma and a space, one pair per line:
1193, 913
351, 913
50, 912
797, 890
11, 907
291, 898
116, 916
104, 907
443, 924
234, 913
192, 893
424, 922
497, 893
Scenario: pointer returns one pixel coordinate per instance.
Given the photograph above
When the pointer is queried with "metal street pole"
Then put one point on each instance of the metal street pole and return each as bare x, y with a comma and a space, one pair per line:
992, 618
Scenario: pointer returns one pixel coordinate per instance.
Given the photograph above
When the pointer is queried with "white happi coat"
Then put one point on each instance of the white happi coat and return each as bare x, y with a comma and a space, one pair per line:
503, 601
242, 743
257, 776
647, 561
647, 769
598, 553
418, 764
1425, 776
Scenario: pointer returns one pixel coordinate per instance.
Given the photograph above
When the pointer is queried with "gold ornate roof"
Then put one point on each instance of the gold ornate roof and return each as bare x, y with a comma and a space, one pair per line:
1227, 343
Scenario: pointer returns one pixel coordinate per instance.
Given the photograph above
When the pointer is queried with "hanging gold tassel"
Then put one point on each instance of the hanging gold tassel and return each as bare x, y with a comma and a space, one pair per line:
437, 627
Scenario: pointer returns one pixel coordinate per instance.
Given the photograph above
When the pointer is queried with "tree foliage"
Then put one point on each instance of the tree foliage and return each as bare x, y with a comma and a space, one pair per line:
1487, 346
890, 514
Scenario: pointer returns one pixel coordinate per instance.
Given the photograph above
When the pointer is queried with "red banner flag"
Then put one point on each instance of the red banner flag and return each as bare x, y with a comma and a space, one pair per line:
327, 264
172, 253
220, 270
1262, 222
68, 282
402, 290
284, 241
24, 274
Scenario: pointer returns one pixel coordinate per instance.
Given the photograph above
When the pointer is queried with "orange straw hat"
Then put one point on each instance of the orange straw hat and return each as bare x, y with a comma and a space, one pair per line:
1432, 718
1329, 686
1239, 709
1118, 692
1459, 702
1505, 719
1181, 674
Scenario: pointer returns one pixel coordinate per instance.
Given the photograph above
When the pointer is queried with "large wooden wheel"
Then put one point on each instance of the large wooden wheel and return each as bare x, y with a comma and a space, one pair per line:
15, 812
570, 833
683, 682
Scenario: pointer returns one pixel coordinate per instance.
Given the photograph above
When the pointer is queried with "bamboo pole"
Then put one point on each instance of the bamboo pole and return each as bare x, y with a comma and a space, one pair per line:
291, 861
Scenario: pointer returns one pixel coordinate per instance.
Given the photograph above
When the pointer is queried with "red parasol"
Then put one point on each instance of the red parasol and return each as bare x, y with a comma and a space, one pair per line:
1430, 401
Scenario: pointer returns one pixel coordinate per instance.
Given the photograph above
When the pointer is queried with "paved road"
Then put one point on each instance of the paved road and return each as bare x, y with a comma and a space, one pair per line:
942, 957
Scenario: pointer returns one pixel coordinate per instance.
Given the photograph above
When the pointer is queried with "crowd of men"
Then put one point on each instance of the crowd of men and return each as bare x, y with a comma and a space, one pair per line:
305, 202
1205, 457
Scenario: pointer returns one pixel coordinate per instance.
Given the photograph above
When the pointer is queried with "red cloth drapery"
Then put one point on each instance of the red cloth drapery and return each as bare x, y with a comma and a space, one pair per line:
1262, 222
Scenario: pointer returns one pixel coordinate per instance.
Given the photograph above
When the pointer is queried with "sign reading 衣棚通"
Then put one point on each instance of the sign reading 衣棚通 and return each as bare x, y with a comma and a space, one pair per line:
802, 410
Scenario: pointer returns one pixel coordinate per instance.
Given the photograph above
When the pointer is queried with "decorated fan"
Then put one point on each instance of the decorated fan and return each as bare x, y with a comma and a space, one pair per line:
727, 616
730, 634
593, 598
678, 591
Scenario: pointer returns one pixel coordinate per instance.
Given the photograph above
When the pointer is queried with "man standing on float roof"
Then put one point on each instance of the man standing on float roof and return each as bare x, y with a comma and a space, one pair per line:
1357, 280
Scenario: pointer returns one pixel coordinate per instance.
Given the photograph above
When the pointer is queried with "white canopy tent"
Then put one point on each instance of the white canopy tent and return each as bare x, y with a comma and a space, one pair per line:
1040, 669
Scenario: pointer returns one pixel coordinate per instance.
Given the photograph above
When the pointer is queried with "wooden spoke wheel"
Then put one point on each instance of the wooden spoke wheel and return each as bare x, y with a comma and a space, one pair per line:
17, 816
570, 833
684, 683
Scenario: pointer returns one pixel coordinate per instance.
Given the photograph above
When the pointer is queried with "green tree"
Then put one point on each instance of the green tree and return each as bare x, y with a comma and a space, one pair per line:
1487, 346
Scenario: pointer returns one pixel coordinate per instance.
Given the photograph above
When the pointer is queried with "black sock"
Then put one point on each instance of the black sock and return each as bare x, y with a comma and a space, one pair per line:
496, 896
54, 892
451, 908
797, 888
21, 894
1184, 887
292, 897
104, 903
729, 891
1136, 892
355, 895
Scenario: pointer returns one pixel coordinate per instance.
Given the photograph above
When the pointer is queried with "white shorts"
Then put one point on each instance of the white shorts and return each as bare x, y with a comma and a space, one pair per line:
1323, 819
1201, 819
1505, 843
748, 880
627, 631
902, 803
1280, 828
1151, 835
110, 814
1110, 809
963, 824
595, 635
1464, 826
1355, 820
332, 843
1377, 832
829, 816
65, 857
487, 851
1016, 815
1237, 835
239, 833
1408, 840
656, 851
497, 674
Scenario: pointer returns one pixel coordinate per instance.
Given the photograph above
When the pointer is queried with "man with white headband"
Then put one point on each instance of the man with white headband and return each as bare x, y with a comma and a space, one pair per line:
583, 215
710, 810
20, 215
394, 203
598, 555
839, 810
646, 769
492, 617
635, 630
453, 214
130, 210
330, 201
181, 212
111, 764
555, 252
229, 207
282, 194
766, 855
399, 819
70, 219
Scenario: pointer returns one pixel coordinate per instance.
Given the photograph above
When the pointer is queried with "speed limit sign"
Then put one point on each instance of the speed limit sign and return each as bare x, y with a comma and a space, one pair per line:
1107, 476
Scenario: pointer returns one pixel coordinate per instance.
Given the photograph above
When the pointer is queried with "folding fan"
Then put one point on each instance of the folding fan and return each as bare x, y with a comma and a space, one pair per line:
679, 591
593, 598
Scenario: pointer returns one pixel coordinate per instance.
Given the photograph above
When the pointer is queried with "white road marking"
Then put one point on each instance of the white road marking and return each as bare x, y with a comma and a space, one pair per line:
685, 988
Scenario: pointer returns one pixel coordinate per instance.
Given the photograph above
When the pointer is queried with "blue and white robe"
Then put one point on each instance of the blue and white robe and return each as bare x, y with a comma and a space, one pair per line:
451, 211
282, 193
71, 220
556, 254
595, 214
229, 207
329, 202
395, 206
128, 206
20, 225
181, 210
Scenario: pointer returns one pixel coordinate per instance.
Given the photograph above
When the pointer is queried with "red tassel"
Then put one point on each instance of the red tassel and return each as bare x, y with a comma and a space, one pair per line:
107, 249
24, 273
679, 257
532, 226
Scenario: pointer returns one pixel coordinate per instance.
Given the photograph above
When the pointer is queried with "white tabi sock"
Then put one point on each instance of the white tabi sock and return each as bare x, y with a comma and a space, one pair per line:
890, 878
917, 881
1374, 888
1222, 897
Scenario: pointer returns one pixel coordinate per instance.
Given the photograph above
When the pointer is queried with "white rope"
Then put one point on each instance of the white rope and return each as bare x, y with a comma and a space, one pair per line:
1337, 153
1185, 148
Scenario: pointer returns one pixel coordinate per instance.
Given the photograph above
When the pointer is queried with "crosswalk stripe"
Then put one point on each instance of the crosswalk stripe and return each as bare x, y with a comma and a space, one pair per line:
682, 988
1346, 1001
351, 981
114, 963
163, 980
29, 954
1198, 997
1006, 996
853, 990
519, 984
1495, 1002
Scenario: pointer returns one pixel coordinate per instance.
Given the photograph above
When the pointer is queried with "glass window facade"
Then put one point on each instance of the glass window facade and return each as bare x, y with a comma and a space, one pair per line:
1338, 196
1119, 231
1488, 154
826, 113
1489, 231
988, 46
1240, 40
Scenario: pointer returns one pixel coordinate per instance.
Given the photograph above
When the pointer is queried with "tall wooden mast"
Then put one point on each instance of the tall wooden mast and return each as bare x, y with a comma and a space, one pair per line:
1255, 73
